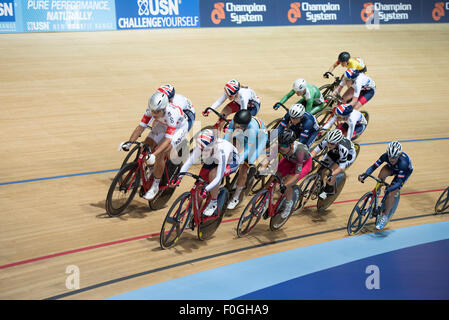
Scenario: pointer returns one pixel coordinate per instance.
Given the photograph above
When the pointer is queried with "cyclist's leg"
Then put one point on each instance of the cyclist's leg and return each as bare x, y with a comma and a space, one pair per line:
231, 107
348, 94
317, 108
364, 97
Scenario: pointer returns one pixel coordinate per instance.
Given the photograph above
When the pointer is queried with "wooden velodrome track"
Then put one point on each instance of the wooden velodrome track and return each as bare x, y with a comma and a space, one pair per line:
68, 99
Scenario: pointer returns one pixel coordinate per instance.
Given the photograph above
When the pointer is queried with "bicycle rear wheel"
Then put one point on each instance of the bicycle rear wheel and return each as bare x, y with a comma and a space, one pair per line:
123, 188
162, 197
360, 214
207, 229
340, 183
176, 221
311, 185
442, 203
252, 213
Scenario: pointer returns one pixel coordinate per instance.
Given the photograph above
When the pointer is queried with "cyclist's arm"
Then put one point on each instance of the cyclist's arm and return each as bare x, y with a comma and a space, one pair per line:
287, 96
257, 141
137, 133
229, 131
193, 157
382, 159
351, 127
284, 123
401, 177
219, 101
333, 66
319, 148
330, 122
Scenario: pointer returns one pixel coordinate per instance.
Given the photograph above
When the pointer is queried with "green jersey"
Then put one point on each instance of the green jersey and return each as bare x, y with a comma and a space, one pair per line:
312, 99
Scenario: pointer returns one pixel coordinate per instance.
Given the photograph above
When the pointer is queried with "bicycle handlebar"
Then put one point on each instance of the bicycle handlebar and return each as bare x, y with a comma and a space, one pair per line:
322, 164
282, 105
140, 144
196, 177
218, 114
378, 180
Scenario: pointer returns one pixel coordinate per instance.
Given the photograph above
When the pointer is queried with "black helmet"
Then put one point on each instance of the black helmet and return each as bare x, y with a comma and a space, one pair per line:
344, 56
242, 117
287, 137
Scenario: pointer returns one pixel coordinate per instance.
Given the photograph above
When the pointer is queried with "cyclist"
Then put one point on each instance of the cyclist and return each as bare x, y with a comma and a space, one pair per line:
295, 165
180, 101
241, 98
345, 60
169, 129
311, 96
361, 88
220, 159
301, 122
354, 121
340, 155
250, 133
399, 165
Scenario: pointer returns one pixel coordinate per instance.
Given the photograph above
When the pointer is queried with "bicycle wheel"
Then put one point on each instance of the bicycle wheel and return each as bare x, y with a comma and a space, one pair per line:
123, 188
176, 221
207, 229
340, 183
311, 185
273, 124
360, 214
132, 154
276, 221
442, 203
252, 213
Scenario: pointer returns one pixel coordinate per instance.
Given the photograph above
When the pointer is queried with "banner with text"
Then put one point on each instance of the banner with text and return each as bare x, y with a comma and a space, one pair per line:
146, 14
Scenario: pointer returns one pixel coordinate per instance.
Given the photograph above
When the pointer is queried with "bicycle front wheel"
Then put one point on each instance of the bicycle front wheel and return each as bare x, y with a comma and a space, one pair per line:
252, 213
122, 189
176, 221
360, 213
443, 202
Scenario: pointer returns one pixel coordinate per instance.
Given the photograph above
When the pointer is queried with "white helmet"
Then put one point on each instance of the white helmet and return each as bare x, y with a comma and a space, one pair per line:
297, 110
158, 101
334, 136
394, 149
299, 85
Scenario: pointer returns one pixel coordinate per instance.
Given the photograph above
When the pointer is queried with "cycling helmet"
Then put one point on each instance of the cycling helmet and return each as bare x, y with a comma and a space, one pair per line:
242, 117
158, 101
232, 87
206, 138
287, 137
344, 56
297, 110
351, 73
299, 85
168, 89
394, 149
334, 136
343, 110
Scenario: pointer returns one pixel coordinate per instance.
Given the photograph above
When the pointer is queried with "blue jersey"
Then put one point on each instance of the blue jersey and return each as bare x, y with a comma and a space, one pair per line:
401, 170
304, 130
252, 139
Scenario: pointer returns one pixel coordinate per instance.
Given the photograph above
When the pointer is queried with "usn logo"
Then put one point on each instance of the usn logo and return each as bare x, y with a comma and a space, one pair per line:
294, 13
7, 11
439, 10
218, 13
158, 7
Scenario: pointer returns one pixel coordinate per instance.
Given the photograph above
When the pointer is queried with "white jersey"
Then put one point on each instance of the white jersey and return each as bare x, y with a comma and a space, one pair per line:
242, 98
224, 153
362, 82
355, 118
172, 120
181, 101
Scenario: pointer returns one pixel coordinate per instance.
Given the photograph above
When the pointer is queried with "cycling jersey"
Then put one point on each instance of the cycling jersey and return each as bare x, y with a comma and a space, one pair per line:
343, 154
299, 156
244, 98
181, 101
253, 139
355, 63
361, 83
312, 99
306, 130
223, 154
356, 118
402, 169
